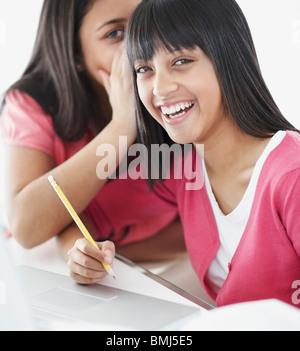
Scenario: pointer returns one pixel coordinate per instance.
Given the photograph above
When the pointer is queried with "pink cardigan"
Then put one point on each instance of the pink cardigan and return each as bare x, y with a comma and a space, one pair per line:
267, 260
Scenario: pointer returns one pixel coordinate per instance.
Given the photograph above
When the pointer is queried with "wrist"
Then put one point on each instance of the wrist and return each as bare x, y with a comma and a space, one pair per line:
125, 129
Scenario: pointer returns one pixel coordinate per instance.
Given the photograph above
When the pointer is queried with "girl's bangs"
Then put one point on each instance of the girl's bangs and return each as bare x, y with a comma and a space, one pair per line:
152, 27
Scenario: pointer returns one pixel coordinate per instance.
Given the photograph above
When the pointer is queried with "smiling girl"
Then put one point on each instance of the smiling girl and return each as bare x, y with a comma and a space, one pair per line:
196, 73
75, 95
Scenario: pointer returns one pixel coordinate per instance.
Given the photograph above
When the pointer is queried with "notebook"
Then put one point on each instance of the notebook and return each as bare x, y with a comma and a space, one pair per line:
55, 296
32, 299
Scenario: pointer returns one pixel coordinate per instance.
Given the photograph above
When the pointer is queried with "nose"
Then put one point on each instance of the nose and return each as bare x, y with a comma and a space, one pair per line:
164, 84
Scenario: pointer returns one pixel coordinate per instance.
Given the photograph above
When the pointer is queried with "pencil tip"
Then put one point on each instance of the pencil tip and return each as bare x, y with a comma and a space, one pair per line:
114, 277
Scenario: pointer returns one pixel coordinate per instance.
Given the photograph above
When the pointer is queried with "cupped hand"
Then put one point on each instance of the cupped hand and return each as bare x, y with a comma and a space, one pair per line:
119, 87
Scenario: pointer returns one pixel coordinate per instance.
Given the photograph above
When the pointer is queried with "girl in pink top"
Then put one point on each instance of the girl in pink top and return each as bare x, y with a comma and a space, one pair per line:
196, 73
75, 95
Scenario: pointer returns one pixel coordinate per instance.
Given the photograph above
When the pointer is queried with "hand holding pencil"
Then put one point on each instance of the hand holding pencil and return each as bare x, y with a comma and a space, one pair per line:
85, 261
94, 253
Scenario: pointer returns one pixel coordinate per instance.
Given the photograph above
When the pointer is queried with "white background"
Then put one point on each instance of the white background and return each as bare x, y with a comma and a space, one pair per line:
275, 25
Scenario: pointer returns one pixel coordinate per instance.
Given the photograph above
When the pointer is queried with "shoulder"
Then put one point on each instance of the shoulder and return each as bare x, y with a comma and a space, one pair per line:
24, 123
281, 172
33, 92
285, 158
23, 111
291, 142
22, 101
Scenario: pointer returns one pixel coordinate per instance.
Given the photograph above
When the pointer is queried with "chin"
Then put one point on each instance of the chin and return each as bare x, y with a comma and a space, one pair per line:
181, 139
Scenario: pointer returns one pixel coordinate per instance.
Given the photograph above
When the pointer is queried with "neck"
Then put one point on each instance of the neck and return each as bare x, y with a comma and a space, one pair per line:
230, 150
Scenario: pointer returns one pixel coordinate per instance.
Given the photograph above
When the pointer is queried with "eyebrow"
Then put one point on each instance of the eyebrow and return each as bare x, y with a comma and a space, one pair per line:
113, 21
175, 52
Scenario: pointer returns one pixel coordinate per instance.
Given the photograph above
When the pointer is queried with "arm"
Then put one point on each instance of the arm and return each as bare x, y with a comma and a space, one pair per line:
289, 204
31, 202
34, 210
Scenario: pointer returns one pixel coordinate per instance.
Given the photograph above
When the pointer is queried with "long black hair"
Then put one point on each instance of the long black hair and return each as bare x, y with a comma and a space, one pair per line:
220, 29
52, 76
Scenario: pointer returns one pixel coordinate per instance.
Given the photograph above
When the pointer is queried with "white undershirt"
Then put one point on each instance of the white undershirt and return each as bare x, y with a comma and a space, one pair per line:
232, 226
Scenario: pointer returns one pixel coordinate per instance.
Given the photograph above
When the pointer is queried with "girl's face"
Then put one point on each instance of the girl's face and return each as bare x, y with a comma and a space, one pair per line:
102, 32
181, 91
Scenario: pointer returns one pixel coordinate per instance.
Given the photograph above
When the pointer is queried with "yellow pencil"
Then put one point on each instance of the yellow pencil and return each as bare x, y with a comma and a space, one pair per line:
77, 220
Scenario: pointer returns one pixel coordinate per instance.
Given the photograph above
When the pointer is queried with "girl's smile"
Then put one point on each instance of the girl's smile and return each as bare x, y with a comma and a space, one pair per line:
174, 113
177, 109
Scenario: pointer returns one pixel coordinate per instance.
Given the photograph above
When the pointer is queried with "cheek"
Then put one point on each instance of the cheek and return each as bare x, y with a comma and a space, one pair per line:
102, 60
145, 94
214, 89
215, 99
146, 97
209, 93
96, 57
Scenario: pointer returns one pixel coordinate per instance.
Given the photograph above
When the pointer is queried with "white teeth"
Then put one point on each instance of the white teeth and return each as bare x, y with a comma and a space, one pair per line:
170, 111
178, 115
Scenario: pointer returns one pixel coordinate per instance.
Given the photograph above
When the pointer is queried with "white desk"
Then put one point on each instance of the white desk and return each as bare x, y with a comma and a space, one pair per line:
46, 257
270, 315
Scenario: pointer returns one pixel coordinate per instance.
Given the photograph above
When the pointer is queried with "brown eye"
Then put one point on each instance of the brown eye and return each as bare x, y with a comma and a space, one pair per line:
182, 62
143, 69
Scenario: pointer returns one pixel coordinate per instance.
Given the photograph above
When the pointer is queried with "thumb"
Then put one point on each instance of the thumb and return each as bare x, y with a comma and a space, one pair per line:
108, 248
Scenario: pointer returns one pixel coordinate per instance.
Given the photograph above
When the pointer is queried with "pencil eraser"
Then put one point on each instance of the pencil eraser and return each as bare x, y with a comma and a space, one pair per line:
51, 180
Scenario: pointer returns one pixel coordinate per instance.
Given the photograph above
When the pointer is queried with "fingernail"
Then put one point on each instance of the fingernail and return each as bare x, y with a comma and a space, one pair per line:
108, 258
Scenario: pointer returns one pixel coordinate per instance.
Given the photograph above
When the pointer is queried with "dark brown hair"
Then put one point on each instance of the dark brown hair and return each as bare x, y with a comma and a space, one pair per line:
52, 77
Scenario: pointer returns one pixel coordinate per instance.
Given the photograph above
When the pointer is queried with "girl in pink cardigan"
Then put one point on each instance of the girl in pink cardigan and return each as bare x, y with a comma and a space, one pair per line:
196, 73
